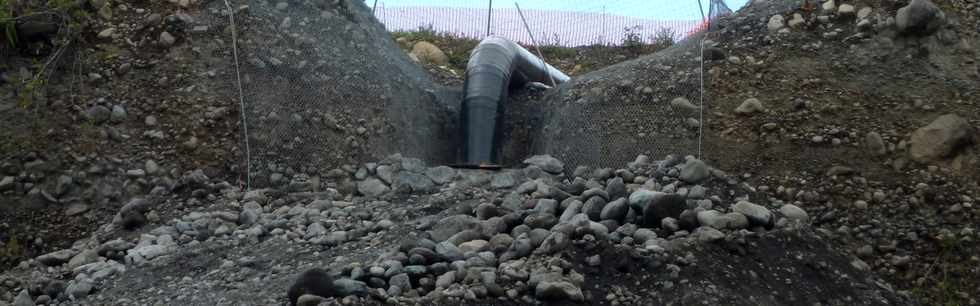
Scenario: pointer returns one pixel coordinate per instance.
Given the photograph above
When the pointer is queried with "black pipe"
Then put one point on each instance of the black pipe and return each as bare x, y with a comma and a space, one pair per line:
495, 65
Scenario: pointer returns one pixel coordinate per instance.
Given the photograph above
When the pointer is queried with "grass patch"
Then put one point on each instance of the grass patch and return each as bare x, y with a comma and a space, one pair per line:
13, 143
558, 52
632, 38
68, 17
425, 33
571, 60
7, 22
11, 248
664, 38
457, 48
88, 137
944, 284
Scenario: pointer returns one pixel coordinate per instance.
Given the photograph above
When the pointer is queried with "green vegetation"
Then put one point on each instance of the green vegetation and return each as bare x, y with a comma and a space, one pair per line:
664, 38
30, 85
69, 15
88, 138
558, 52
11, 249
941, 284
632, 38
424, 33
555, 49
12, 142
457, 49
571, 60
73, 16
7, 22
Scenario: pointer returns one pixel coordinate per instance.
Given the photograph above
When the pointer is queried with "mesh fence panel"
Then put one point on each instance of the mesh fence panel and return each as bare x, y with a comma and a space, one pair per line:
585, 23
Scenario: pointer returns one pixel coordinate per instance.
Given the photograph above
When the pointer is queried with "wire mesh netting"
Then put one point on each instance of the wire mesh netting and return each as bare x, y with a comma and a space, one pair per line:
651, 105
647, 106
321, 85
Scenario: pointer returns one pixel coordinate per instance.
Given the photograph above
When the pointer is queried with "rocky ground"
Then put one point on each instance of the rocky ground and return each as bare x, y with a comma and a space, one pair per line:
846, 134
656, 231
843, 119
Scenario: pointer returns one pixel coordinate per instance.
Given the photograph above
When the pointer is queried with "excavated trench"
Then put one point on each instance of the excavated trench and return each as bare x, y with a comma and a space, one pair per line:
336, 90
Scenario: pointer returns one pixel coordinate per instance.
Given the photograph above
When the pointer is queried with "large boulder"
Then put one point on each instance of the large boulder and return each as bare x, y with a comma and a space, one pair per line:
23, 299
558, 291
616, 188
941, 138
615, 210
429, 53
719, 220
593, 208
921, 17
795, 213
694, 171
449, 226
684, 106
441, 175
656, 206
409, 182
547, 163
874, 144
776, 23
37, 27
98, 114
79, 289
56, 258
320, 283
372, 187
83, 258
7, 183
750, 106
758, 215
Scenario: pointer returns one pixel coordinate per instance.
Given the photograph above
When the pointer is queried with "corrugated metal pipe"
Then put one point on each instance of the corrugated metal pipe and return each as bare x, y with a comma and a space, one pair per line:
495, 65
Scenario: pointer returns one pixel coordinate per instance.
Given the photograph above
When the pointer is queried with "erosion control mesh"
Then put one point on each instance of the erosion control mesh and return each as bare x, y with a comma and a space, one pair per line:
655, 105
322, 84
646, 106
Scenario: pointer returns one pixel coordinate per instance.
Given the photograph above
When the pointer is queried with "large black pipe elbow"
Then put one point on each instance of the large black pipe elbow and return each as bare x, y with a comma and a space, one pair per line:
495, 65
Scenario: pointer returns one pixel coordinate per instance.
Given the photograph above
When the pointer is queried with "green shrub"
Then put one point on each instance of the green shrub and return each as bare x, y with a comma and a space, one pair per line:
12, 248
7, 21
423, 33
632, 38
558, 52
71, 17
664, 38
